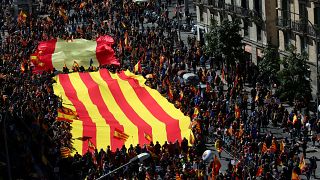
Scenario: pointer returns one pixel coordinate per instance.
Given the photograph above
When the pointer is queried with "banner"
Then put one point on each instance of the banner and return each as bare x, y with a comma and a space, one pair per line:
118, 109
61, 53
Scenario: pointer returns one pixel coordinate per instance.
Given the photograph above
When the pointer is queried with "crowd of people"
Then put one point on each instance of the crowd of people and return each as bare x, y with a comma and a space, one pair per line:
222, 108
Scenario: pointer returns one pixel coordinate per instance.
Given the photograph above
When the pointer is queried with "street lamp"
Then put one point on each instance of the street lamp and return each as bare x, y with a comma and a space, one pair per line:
141, 157
317, 58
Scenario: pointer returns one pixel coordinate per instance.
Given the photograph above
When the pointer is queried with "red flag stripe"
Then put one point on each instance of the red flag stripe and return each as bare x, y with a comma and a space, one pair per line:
104, 51
89, 129
45, 51
172, 125
96, 98
143, 127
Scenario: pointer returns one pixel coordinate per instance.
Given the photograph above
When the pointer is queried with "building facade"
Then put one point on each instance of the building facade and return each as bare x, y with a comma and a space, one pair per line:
298, 24
258, 21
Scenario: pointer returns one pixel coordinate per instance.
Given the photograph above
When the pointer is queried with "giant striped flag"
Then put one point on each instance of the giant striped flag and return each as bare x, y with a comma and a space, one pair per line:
110, 106
58, 53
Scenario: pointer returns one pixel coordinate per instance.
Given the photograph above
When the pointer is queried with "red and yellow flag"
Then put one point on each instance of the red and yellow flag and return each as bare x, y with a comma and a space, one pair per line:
264, 148
120, 135
273, 147
302, 164
295, 176
66, 114
259, 171
57, 53
237, 112
22, 17
65, 152
216, 167
137, 67
148, 137
105, 101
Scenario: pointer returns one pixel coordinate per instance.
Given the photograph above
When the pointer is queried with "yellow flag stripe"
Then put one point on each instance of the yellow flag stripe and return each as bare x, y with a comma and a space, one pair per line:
102, 129
175, 113
129, 127
158, 128
77, 126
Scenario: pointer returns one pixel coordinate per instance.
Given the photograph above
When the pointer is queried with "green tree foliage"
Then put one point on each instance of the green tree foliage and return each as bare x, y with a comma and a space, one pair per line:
269, 66
225, 42
294, 78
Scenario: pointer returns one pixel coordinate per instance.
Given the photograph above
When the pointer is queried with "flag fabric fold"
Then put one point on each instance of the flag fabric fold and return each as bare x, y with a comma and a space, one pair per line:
118, 109
58, 53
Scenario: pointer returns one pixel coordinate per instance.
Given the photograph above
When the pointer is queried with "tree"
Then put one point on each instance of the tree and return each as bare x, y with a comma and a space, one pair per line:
269, 66
225, 42
294, 78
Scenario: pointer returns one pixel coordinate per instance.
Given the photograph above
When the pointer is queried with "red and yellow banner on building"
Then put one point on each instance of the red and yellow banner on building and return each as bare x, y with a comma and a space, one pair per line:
110, 106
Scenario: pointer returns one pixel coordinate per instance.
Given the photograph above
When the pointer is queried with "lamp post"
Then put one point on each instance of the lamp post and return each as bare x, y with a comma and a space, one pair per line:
141, 157
317, 58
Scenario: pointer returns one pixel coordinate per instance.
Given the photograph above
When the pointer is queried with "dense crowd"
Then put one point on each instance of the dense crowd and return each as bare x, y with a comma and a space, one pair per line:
220, 105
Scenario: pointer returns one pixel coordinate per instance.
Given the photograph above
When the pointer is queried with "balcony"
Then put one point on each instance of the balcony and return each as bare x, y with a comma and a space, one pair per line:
301, 27
283, 23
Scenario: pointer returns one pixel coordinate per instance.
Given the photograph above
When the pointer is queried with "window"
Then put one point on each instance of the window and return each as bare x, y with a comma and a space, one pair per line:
259, 32
201, 13
303, 15
304, 44
317, 16
244, 4
258, 6
245, 28
286, 40
285, 10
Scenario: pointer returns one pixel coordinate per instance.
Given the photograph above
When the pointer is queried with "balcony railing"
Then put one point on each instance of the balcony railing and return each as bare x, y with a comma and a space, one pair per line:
284, 23
301, 27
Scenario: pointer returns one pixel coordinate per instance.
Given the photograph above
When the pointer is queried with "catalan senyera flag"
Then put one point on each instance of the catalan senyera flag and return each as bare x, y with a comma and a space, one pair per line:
57, 52
264, 148
107, 103
65, 152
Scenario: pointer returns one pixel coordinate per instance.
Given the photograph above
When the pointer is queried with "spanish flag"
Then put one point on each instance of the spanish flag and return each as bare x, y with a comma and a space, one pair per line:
181, 95
120, 135
126, 39
62, 13
22, 17
273, 147
137, 67
191, 138
22, 68
66, 114
148, 137
82, 5
302, 164
259, 171
195, 112
294, 176
237, 112
170, 93
216, 167
57, 52
282, 146
91, 146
